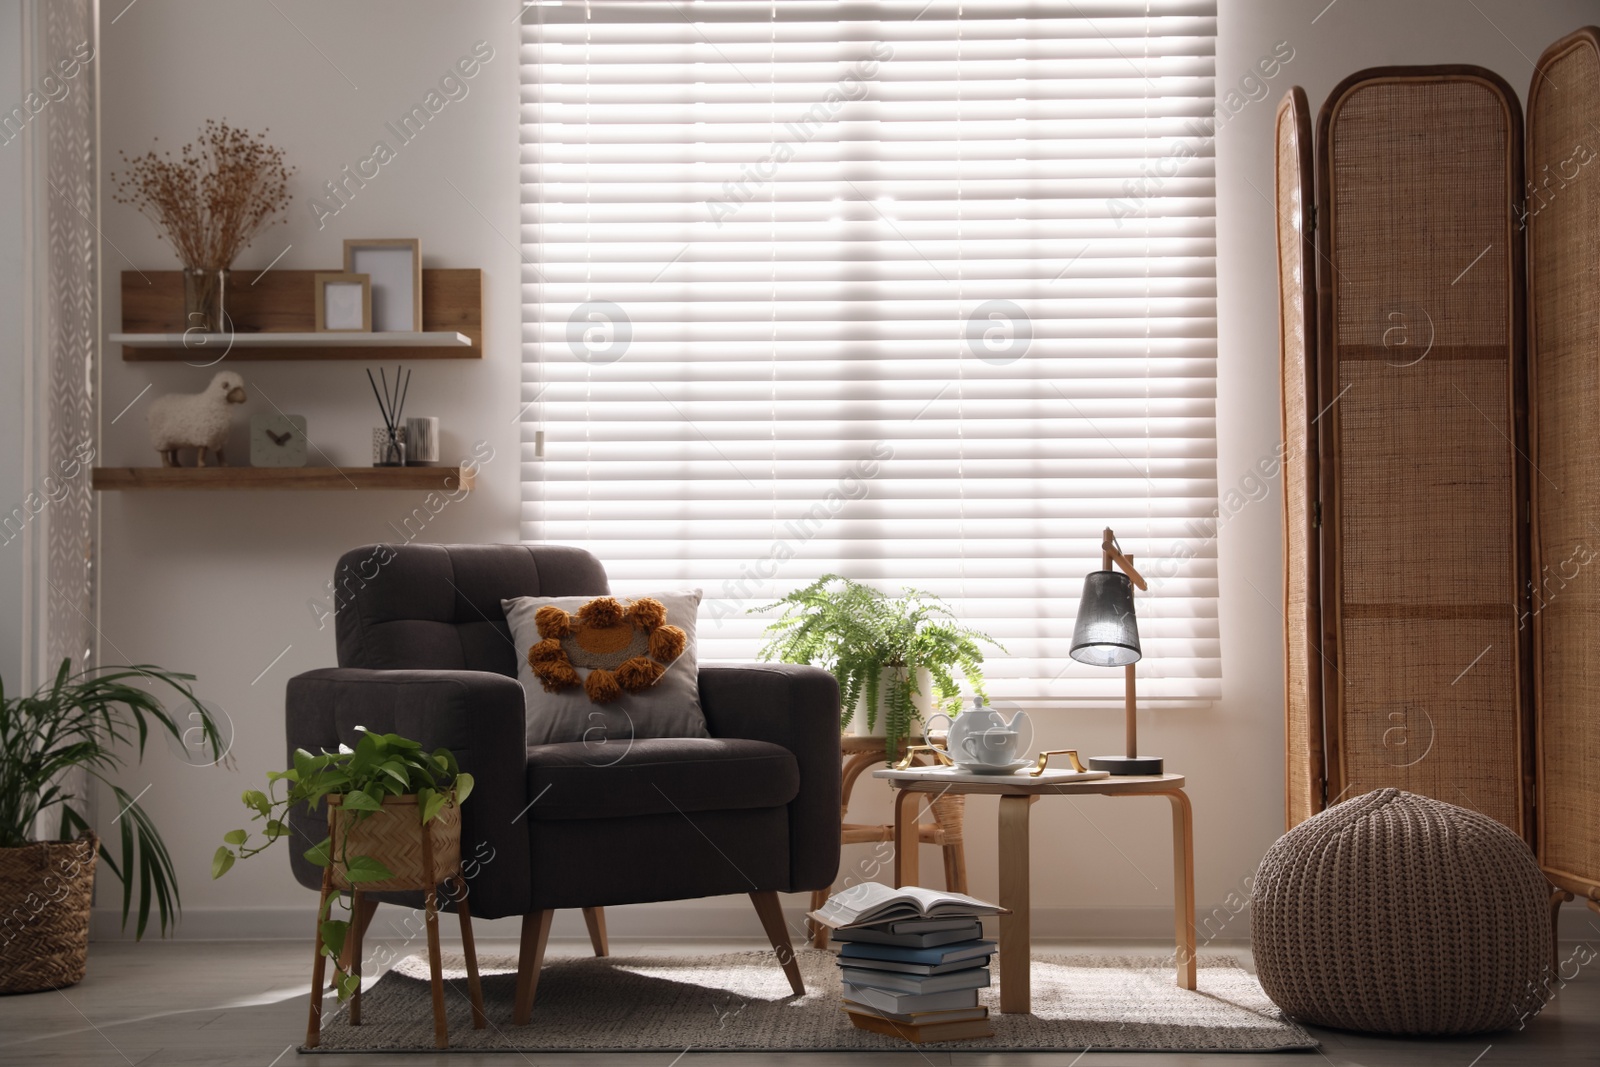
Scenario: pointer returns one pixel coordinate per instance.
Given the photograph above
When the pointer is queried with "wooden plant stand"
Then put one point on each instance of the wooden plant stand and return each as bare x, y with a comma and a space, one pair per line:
424, 875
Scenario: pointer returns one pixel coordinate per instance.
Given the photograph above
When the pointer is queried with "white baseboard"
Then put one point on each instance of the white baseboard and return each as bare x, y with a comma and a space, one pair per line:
724, 918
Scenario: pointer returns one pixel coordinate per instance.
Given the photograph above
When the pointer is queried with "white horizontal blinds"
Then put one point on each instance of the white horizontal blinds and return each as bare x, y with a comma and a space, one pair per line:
921, 293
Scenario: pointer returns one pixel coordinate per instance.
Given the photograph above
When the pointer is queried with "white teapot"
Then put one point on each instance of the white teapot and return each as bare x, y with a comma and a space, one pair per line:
984, 741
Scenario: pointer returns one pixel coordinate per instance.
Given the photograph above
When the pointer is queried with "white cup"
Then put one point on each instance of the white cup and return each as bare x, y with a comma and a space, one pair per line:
992, 748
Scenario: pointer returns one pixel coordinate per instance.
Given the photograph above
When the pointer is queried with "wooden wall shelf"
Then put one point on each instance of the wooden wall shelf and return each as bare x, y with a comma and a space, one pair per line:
273, 319
202, 345
443, 479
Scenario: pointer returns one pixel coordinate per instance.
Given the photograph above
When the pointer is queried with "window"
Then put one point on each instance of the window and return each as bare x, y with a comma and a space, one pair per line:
920, 293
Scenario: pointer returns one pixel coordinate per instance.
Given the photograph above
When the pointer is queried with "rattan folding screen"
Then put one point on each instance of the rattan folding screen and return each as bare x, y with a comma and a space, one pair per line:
1442, 454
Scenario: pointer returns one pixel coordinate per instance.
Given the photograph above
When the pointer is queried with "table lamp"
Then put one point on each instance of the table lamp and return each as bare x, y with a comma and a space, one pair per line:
1107, 635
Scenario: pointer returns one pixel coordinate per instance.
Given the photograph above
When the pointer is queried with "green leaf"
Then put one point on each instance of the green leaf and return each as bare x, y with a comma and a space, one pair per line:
396, 770
366, 869
430, 803
235, 837
359, 801
276, 829
348, 984
255, 798
333, 934
464, 785
318, 853
221, 861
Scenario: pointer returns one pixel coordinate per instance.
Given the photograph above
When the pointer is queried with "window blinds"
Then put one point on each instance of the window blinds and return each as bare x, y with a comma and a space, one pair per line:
919, 293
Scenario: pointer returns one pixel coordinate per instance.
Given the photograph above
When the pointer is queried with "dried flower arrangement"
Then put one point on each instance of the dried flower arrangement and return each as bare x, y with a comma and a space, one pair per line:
214, 199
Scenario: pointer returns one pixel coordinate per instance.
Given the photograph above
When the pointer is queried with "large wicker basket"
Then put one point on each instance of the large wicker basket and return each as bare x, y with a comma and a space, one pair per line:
394, 837
45, 891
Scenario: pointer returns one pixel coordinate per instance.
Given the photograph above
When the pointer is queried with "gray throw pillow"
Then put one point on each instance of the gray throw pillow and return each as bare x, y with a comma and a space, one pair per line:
606, 678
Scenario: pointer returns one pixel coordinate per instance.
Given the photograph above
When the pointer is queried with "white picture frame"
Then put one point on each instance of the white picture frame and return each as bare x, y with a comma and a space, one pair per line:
395, 266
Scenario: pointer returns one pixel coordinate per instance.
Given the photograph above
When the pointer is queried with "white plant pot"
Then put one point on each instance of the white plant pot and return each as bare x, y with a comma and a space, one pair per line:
922, 701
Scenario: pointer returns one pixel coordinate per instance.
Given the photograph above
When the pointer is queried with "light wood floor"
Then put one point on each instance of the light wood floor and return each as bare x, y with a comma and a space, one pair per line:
243, 1003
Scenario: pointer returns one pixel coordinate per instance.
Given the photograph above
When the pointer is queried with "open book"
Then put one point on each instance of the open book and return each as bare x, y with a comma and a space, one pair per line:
872, 902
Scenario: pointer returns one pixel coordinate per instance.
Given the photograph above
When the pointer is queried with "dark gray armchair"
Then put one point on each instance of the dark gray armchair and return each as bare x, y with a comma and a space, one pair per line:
424, 651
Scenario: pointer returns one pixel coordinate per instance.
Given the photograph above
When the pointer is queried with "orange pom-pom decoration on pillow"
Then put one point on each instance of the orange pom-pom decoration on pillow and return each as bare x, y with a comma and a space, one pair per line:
623, 648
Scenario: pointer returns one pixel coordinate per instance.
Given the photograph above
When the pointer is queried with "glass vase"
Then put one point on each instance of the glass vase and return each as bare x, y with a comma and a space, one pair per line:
388, 449
204, 296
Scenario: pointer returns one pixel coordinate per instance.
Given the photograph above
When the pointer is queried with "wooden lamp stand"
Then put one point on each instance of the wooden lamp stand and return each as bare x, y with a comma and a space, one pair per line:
1132, 763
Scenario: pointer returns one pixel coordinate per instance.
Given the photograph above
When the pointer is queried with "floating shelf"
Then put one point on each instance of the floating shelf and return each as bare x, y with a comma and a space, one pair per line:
273, 315
445, 479
203, 345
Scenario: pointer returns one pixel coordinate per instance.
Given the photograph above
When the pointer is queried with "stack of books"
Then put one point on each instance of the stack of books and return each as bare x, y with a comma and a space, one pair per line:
912, 960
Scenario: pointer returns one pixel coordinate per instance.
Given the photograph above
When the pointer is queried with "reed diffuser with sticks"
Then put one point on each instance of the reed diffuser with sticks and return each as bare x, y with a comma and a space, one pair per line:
391, 450
216, 197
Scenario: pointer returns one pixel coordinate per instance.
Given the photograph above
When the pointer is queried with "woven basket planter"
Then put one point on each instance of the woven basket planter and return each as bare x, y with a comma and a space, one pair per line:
394, 837
1399, 914
45, 891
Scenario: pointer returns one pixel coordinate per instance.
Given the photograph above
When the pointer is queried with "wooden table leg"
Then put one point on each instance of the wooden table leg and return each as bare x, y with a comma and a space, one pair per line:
353, 944
1016, 991
318, 966
441, 1031
905, 837
1183, 886
469, 949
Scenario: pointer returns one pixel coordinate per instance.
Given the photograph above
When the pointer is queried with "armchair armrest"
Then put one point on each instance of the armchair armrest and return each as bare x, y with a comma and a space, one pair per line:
797, 707
478, 715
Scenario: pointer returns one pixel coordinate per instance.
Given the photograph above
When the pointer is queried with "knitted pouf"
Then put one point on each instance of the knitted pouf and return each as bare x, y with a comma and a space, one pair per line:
1399, 914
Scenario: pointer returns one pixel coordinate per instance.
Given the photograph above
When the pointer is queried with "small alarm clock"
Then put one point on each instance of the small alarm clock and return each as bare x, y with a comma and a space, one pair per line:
277, 440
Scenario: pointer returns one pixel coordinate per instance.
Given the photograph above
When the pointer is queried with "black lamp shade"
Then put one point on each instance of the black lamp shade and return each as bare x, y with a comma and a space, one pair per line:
1107, 632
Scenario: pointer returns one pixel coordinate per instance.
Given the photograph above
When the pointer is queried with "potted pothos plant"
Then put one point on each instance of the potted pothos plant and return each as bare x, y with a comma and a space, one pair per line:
81, 727
384, 795
887, 651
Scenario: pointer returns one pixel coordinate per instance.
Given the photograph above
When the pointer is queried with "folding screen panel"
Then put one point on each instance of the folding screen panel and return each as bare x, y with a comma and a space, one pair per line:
1297, 320
1563, 233
1423, 554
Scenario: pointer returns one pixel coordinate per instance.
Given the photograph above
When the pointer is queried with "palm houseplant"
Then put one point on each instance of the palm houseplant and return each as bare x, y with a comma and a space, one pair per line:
394, 820
897, 657
80, 728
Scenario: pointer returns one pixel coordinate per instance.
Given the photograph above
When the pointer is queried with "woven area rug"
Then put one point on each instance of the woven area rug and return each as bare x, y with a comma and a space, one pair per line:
741, 1001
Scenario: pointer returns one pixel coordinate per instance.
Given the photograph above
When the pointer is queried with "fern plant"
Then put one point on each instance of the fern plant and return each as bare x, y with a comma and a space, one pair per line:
867, 638
88, 720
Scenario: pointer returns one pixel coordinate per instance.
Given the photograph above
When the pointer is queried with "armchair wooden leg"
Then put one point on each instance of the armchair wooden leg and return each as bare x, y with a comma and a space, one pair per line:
595, 920
362, 909
771, 913
819, 933
535, 936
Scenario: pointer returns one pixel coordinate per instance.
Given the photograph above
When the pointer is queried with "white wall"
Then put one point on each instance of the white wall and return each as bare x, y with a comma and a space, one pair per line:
218, 583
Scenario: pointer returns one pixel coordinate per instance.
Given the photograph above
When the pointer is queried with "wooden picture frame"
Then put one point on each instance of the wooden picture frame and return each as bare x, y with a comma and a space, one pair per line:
395, 266
341, 317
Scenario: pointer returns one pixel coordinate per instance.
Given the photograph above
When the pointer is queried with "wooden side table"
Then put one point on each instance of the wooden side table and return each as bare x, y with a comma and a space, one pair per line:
949, 815
1017, 795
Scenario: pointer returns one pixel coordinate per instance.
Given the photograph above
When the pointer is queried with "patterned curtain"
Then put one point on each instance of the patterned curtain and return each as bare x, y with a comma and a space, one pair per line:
67, 372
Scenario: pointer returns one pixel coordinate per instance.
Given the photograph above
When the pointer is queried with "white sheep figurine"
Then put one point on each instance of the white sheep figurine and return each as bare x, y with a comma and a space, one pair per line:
195, 420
